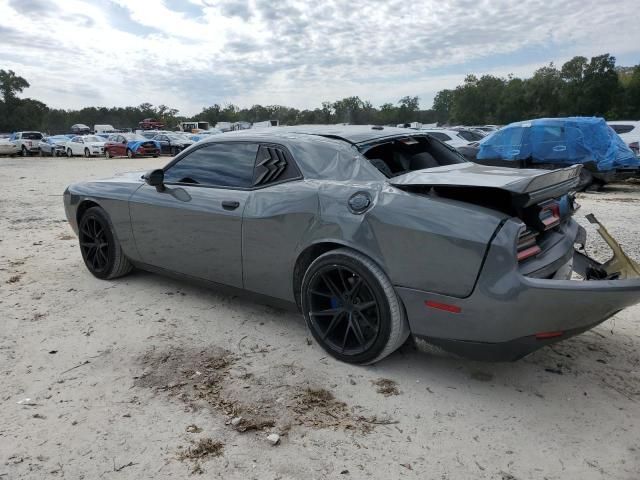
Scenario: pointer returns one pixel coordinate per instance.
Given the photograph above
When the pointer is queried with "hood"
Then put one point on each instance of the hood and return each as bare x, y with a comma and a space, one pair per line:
96, 144
528, 185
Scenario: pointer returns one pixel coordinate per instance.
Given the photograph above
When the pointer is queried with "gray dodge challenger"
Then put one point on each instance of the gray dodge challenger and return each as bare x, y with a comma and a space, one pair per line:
374, 233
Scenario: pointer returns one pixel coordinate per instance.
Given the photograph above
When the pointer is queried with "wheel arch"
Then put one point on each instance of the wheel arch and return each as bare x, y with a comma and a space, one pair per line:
313, 251
83, 206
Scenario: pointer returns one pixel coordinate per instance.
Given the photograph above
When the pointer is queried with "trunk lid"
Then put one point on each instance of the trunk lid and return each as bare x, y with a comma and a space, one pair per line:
525, 186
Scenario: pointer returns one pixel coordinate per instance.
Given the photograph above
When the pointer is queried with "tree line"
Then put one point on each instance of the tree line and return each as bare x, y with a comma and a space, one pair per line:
580, 86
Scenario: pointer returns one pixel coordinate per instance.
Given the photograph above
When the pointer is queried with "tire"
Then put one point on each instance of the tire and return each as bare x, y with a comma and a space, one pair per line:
129, 153
107, 260
87, 153
360, 298
24, 152
41, 153
69, 153
586, 179
107, 154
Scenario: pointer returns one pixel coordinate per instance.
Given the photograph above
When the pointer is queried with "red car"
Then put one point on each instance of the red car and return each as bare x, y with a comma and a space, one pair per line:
131, 145
151, 124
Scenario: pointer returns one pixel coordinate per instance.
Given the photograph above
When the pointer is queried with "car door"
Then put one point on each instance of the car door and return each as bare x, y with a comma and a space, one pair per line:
77, 146
120, 146
194, 225
165, 145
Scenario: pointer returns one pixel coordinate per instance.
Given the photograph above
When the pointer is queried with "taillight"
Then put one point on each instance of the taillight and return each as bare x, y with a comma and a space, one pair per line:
527, 246
550, 214
635, 146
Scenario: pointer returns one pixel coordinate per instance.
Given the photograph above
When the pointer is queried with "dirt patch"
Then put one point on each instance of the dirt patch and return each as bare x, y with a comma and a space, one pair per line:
219, 381
201, 450
14, 279
386, 387
66, 236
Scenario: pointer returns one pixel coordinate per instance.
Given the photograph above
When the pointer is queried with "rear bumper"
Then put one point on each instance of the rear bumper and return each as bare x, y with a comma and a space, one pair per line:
147, 151
509, 315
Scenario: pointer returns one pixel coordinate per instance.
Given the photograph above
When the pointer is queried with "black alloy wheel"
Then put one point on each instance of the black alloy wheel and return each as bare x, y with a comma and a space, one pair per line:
101, 251
94, 243
344, 312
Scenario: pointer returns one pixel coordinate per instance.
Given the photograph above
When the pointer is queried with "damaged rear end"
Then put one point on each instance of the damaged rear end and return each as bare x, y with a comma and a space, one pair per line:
528, 293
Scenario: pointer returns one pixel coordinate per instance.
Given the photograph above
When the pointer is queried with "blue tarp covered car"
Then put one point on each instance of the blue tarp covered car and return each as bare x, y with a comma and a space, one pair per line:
552, 143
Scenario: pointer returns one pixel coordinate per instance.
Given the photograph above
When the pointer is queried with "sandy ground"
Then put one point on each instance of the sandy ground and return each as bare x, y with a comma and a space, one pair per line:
140, 377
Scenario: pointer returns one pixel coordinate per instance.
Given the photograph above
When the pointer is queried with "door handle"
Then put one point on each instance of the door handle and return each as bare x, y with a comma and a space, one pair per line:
230, 205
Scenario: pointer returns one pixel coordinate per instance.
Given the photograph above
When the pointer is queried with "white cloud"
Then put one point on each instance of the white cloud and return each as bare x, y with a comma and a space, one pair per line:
295, 52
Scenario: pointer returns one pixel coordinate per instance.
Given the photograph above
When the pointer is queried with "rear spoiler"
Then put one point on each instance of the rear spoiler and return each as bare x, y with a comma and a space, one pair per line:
548, 185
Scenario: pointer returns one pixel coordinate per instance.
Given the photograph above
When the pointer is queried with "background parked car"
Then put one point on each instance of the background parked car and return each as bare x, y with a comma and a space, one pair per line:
172, 144
80, 129
88, 146
54, 146
196, 137
452, 137
7, 147
27, 143
552, 143
151, 124
470, 135
131, 145
629, 132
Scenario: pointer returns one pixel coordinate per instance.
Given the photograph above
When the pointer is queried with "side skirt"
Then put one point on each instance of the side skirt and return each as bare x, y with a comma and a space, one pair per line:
221, 288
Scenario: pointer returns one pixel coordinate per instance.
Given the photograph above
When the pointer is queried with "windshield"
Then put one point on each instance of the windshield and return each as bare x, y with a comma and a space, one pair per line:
32, 135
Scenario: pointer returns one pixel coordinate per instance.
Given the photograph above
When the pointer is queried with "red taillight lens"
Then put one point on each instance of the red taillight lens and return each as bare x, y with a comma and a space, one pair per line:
528, 252
527, 246
550, 214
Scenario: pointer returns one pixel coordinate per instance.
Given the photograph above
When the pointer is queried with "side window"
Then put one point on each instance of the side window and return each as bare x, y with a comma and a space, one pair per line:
273, 165
443, 137
622, 128
218, 164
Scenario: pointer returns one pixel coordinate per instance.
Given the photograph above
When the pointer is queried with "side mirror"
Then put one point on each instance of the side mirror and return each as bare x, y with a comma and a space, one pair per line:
155, 178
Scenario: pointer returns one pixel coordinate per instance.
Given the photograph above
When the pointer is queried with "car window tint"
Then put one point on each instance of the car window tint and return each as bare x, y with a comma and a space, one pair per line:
622, 128
552, 134
220, 164
440, 136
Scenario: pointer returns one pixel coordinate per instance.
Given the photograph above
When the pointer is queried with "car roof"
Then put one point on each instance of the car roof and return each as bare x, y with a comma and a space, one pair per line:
353, 134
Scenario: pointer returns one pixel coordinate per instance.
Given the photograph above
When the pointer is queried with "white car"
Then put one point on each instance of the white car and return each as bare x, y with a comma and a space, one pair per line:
629, 132
7, 147
452, 137
88, 145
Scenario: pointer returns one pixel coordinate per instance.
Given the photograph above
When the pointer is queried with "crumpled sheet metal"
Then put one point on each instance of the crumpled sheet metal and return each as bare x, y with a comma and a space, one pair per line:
620, 264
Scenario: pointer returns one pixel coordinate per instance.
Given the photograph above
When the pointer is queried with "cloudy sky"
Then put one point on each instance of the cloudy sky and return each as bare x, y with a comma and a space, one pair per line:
193, 53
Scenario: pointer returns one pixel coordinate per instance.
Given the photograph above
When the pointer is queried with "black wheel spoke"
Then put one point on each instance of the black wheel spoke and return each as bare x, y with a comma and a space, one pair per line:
322, 294
346, 335
355, 325
333, 324
365, 320
331, 286
327, 312
363, 306
345, 286
355, 288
